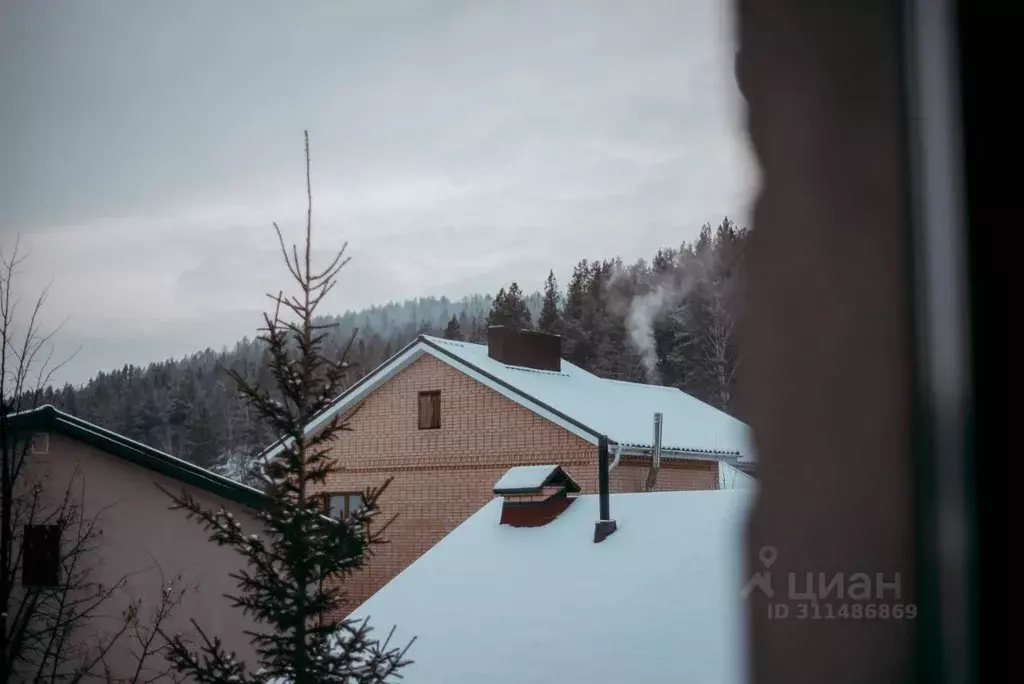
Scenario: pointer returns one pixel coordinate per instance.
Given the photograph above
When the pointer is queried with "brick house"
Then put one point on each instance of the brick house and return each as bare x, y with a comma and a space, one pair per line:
446, 418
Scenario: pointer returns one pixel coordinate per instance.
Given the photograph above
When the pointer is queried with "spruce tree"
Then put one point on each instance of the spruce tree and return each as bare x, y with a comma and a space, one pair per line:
291, 584
595, 318
147, 420
575, 343
201, 434
518, 311
452, 330
549, 318
510, 309
479, 328
497, 314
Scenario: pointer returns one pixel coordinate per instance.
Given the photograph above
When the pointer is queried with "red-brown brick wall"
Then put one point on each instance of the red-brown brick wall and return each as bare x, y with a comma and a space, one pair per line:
441, 477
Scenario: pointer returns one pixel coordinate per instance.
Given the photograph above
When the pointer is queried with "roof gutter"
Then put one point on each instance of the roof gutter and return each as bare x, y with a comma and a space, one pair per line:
618, 457
688, 454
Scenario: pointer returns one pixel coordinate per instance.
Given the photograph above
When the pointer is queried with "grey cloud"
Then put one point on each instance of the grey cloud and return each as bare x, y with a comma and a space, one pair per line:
457, 145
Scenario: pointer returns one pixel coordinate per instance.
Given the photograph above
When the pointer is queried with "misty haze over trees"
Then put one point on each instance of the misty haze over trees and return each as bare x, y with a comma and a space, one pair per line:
667, 321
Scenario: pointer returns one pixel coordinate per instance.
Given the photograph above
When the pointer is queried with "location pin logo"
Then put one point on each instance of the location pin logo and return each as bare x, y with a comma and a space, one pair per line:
762, 580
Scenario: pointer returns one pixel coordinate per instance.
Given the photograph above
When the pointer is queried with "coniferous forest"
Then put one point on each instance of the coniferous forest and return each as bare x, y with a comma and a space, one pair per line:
666, 321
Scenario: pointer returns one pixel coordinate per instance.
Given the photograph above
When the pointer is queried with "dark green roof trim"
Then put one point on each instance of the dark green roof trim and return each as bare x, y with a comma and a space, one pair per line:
49, 419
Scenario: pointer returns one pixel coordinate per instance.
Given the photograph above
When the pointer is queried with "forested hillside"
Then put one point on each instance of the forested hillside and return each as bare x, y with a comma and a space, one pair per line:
666, 321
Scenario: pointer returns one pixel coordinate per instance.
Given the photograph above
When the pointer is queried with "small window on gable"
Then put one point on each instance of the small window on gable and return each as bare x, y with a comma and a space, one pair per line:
430, 410
341, 506
40, 443
40, 566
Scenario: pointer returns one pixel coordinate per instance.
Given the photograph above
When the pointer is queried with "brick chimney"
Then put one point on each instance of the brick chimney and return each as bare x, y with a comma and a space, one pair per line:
534, 495
526, 348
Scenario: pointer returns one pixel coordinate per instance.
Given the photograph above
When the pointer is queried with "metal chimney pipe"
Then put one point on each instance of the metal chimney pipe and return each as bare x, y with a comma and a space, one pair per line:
605, 525
658, 422
652, 474
602, 477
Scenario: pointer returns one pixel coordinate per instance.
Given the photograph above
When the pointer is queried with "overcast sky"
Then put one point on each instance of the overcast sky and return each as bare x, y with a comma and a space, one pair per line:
148, 146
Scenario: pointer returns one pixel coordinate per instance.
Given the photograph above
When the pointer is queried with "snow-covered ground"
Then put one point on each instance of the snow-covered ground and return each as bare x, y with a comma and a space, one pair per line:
658, 601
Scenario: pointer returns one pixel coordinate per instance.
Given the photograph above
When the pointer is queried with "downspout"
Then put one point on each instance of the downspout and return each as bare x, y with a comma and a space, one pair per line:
652, 474
618, 455
605, 525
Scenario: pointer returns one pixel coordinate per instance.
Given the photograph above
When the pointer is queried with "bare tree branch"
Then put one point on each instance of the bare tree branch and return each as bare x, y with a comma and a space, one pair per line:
41, 637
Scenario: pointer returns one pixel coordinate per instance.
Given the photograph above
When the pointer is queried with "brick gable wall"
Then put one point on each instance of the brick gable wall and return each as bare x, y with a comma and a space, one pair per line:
441, 477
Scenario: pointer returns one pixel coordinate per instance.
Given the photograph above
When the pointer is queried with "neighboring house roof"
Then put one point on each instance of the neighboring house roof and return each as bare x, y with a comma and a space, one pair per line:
49, 419
736, 477
658, 601
533, 479
579, 401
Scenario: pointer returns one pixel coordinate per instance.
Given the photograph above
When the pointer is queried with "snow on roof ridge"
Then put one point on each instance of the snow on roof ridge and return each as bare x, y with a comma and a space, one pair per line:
542, 371
641, 384
445, 340
524, 477
461, 343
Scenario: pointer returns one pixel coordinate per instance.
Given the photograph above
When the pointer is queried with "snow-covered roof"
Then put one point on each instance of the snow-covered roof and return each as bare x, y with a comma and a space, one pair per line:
658, 601
624, 411
581, 402
525, 479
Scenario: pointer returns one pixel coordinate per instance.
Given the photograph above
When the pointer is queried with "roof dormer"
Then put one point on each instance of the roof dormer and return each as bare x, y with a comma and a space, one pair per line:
534, 495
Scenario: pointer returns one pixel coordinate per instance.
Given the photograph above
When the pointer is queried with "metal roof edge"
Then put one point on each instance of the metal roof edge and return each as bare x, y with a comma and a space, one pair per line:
48, 417
369, 382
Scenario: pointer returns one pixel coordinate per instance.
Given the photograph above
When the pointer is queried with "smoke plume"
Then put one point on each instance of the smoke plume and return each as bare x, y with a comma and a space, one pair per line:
641, 312
644, 312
